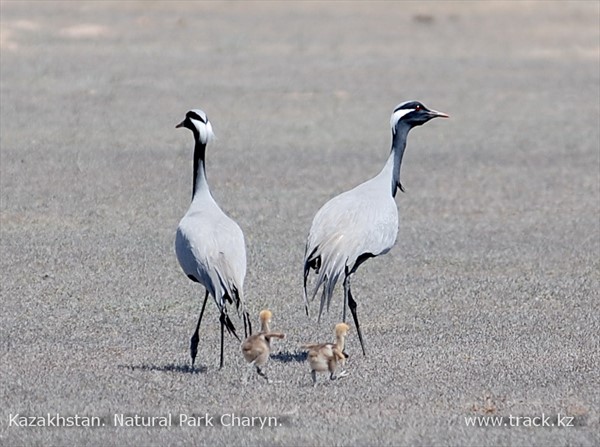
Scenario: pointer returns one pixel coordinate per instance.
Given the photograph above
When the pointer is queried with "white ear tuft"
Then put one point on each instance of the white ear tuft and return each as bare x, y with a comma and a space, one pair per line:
205, 130
396, 117
210, 136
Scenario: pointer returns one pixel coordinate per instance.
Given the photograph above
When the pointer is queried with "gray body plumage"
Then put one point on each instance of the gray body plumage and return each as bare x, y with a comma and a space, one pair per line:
360, 223
210, 248
357, 224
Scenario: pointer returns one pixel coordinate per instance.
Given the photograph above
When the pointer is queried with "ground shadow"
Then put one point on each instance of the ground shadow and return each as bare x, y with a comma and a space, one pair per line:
170, 367
287, 357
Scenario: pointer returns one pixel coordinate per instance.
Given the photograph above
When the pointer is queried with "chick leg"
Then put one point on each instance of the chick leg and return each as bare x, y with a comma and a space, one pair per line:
341, 375
262, 374
332, 367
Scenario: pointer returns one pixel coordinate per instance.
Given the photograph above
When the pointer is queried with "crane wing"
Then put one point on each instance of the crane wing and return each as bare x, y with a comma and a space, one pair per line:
351, 227
211, 249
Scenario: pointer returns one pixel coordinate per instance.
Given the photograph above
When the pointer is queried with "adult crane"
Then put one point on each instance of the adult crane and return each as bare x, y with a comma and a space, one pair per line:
209, 245
360, 223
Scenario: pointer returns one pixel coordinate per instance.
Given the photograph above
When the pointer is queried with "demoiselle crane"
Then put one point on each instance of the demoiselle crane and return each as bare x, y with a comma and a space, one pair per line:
360, 223
210, 246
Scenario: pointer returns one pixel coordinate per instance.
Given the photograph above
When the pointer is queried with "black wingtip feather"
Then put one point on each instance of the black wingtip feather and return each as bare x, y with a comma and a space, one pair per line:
229, 325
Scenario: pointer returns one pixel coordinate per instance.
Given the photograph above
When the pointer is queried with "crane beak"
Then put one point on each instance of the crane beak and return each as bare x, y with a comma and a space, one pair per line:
436, 114
180, 124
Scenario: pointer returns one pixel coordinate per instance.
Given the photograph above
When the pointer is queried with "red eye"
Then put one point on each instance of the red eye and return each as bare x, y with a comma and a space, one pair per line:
418, 107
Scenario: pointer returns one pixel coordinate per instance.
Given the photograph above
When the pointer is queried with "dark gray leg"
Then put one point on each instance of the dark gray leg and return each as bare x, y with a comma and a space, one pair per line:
346, 290
222, 338
352, 306
196, 337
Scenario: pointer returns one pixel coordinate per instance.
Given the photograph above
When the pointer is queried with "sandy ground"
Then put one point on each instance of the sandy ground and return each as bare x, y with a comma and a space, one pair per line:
487, 306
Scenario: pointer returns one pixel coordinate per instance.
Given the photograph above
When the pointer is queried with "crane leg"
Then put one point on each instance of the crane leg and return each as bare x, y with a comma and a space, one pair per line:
222, 337
346, 291
196, 337
352, 306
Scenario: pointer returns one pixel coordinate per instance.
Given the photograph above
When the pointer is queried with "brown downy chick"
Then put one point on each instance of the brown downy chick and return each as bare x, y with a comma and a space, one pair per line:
257, 348
325, 357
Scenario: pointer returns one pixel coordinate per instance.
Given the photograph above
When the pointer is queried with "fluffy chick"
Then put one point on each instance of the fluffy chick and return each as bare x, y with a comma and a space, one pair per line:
325, 357
257, 348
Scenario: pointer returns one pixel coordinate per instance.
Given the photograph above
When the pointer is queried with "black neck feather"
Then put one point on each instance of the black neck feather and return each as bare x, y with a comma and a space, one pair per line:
398, 146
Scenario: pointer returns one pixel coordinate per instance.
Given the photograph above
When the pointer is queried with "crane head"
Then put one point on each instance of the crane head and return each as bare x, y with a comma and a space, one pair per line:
197, 121
413, 113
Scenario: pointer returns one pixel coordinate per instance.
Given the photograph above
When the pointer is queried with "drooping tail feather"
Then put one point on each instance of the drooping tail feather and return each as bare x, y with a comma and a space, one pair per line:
247, 325
329, 265
228, 324
328, 284
310, 262
306, 271
231, 295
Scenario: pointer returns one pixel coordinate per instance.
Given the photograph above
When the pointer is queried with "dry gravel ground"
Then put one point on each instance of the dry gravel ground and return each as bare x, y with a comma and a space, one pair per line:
487, 306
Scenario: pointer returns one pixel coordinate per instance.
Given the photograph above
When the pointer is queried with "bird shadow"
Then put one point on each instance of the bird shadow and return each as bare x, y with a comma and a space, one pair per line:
288, 357
169, 367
